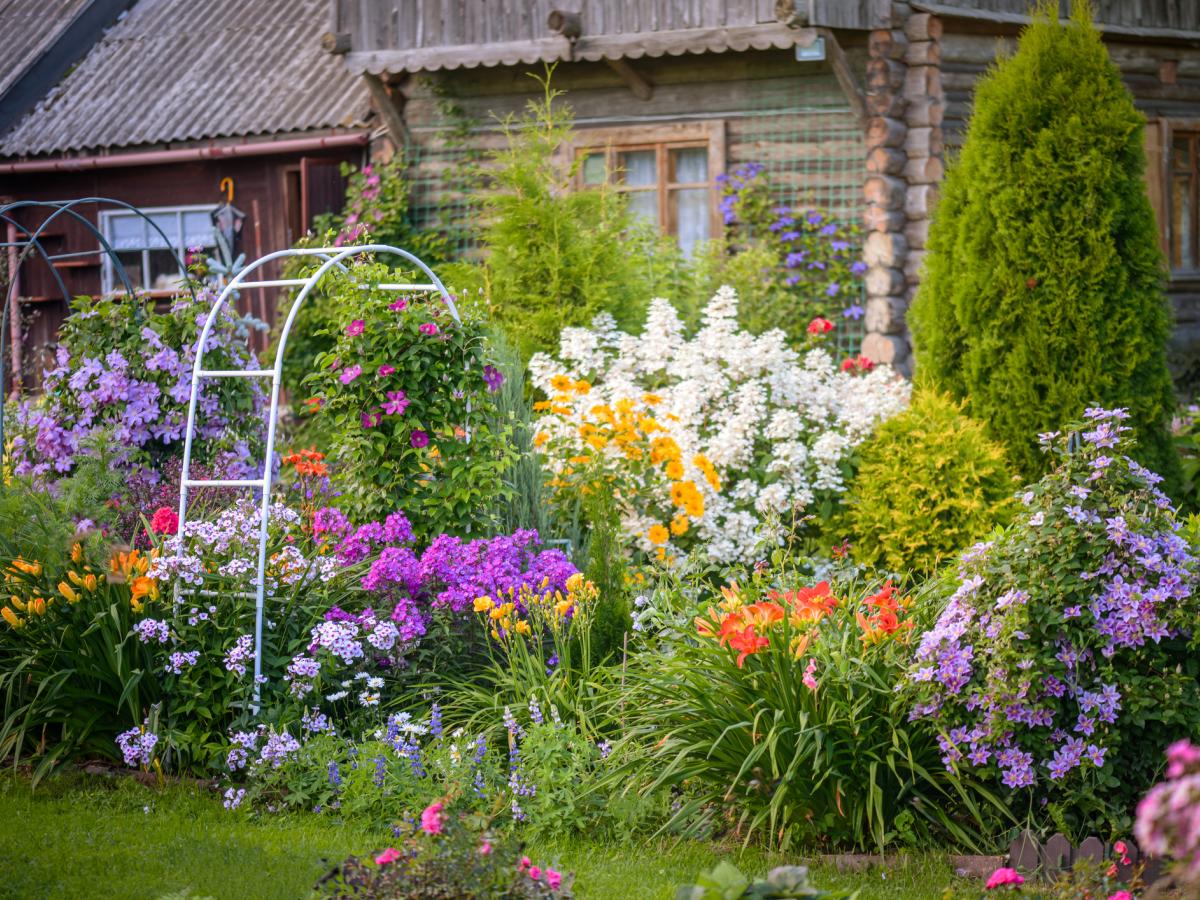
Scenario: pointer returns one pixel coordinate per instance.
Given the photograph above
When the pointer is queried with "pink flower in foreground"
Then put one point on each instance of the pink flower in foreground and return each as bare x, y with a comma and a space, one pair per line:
485, 849
390, 855
525, 863
431, 818
350, 374
419, 439
164, 521
397, 402
1121, 895
810, 682
355, 328
535, 873
554, 879
385, 370
1003, 877
428, 328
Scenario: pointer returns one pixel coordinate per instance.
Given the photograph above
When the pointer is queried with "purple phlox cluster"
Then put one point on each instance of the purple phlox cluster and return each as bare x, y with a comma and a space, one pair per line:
137, 745
339, 638
980, 672
357, 544
181, 660
244, 743
234, 798
236, 656
149, 630
313, 721
279, 748
299, 671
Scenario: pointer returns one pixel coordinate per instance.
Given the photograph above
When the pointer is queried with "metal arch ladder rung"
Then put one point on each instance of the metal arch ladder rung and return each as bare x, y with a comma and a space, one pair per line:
330, 257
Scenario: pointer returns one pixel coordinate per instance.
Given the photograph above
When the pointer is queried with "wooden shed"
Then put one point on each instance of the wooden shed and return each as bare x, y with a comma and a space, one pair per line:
177, 108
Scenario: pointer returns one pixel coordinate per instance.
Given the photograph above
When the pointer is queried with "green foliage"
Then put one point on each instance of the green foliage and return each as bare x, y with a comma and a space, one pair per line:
407, 395
929, 484
556, 256
1042, 291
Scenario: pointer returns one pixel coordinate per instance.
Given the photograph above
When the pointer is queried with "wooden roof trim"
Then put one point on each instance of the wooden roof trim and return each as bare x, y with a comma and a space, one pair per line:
1010, 18
591, 48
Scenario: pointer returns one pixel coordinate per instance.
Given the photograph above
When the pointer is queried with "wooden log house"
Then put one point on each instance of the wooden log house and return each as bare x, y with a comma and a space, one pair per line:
852, 105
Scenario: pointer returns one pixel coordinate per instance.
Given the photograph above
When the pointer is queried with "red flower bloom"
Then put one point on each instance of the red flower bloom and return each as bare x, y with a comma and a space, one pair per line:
164, 521
820, 326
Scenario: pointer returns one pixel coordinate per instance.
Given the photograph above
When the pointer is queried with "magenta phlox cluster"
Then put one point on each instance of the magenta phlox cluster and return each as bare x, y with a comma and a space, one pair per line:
1168, 817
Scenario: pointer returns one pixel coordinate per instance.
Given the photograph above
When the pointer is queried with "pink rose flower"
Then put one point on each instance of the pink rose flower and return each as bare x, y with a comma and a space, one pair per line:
431, 818
350, 374
390, 855
355, 328
1002, 878
428, 328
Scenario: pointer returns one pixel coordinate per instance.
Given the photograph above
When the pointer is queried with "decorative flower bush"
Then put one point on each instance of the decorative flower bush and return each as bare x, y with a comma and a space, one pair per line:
781, 710
122, 379
707, 439
930, 482
441, 856
406, 397
1065, 653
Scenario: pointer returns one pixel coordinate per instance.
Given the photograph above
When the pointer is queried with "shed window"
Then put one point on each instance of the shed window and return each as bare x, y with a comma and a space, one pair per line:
668, 177
1184, 233
150, 259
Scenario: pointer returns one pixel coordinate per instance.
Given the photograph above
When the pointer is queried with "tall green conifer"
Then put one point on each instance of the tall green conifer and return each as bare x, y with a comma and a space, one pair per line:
1042, 292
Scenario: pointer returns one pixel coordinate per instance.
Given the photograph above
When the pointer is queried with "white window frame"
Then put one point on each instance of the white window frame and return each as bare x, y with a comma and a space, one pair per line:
109, 282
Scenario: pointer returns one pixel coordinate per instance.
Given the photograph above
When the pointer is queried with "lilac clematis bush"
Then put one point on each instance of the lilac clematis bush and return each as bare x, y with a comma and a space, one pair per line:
122, 379
1064, 657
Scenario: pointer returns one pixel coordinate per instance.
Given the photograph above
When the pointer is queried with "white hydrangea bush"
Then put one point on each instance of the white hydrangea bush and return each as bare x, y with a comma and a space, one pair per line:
778, 426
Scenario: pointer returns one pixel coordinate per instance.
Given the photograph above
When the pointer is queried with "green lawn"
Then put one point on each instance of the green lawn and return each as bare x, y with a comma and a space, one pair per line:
92, 837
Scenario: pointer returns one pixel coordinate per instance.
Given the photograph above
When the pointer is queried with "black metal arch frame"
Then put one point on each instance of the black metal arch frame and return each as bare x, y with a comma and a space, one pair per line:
32, 242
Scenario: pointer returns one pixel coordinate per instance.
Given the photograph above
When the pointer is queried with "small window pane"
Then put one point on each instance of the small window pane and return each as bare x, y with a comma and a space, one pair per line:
638, 168
164, 271
690, 215
131, 260
1183, 222
125, 232
644, 205
689, 165
1181, 153
594, 169
198, 230
168, 223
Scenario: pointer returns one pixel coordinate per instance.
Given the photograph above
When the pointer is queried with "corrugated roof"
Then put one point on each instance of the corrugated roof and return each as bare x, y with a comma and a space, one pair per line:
27, 28
184, 70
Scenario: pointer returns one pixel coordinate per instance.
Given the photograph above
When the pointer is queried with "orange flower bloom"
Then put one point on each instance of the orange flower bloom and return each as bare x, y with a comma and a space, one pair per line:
746, 642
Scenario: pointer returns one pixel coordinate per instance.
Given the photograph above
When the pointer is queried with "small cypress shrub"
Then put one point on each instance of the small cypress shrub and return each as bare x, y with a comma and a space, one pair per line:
1042, 292
929, 484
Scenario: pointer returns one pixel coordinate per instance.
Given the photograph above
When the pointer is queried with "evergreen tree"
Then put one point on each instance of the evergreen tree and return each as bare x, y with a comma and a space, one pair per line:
1042, 292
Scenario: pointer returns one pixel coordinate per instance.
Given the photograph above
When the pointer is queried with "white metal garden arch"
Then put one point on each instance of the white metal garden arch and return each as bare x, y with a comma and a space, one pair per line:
332, 257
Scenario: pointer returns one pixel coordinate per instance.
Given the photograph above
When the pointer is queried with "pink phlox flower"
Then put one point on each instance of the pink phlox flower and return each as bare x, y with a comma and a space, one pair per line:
431, 818
388, 856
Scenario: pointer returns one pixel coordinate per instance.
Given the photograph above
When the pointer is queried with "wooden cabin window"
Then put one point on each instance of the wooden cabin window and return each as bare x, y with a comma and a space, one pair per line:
669, 175
150, 262
1184, 171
